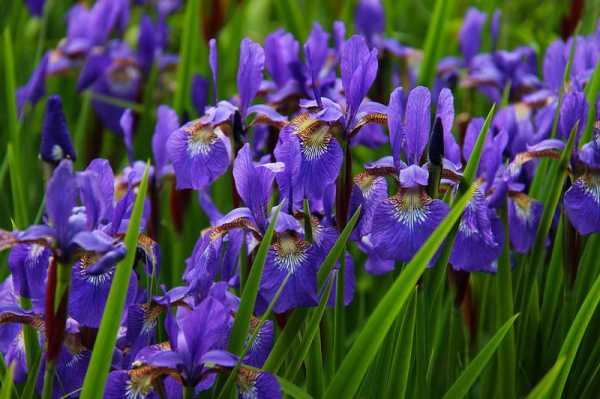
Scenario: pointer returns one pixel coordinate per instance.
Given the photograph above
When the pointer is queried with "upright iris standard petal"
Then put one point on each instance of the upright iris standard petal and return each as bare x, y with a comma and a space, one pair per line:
404, 221
554, 65
126, 123
470, 33
199, 93
359, 68
479, 238
291, 255
369, 19
199, 154
61, 197
166, 123
213, 60
253, 183
55, 142
573, 109
288, 152
281, 55
317, 44
35, 88
395, 122
524, 214
249, 75
582, 203
445, 111
417, 123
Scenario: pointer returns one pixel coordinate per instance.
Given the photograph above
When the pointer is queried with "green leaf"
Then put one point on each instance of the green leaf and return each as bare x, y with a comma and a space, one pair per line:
295, 322
552, 288
507, 362
543, 388
310, 331
7, 383
292, 390
346, 381
591, 94
434, 41
337, 250
471, 169
95, 377
239, 332
315, 373
190, 34
461, 386
290, 12
233, 374
575, 335
555, 184
284, 342
403, 352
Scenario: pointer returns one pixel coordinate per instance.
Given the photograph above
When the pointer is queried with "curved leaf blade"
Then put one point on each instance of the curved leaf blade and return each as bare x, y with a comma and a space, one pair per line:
97, 373
347, 380
248, 298
461, 386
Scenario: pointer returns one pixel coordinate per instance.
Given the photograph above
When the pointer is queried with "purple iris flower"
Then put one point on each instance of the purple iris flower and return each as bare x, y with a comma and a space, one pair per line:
312, 133
200, 150
582, 200
36, 7
401, 223
86, 29
113, 72
188, 344
56, 142
35, 88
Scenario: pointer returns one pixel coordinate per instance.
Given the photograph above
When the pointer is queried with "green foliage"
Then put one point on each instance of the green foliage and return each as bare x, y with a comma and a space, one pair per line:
95, 378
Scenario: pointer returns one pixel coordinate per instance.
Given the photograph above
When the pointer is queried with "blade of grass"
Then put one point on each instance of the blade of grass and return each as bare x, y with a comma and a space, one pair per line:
190, 26
337, 250
461, 387
290, 12
575, 336
591, 94
433, 40
295, 322
542, 389
553, 286
507, 354
7, 383
95, 377
292, 390
403, 353
470, 171
226, 390
310, 331
355, 364
315, 374
241, 324
555, 184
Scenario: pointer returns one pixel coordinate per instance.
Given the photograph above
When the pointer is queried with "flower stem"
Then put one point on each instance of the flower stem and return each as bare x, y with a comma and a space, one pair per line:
48, 380
188, 392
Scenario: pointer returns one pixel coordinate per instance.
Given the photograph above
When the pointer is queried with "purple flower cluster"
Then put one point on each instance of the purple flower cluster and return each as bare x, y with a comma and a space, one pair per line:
286, 139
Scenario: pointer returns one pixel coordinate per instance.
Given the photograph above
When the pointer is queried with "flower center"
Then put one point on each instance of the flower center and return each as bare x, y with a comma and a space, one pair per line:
290, 252
410, 207
591, 185
200, 139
